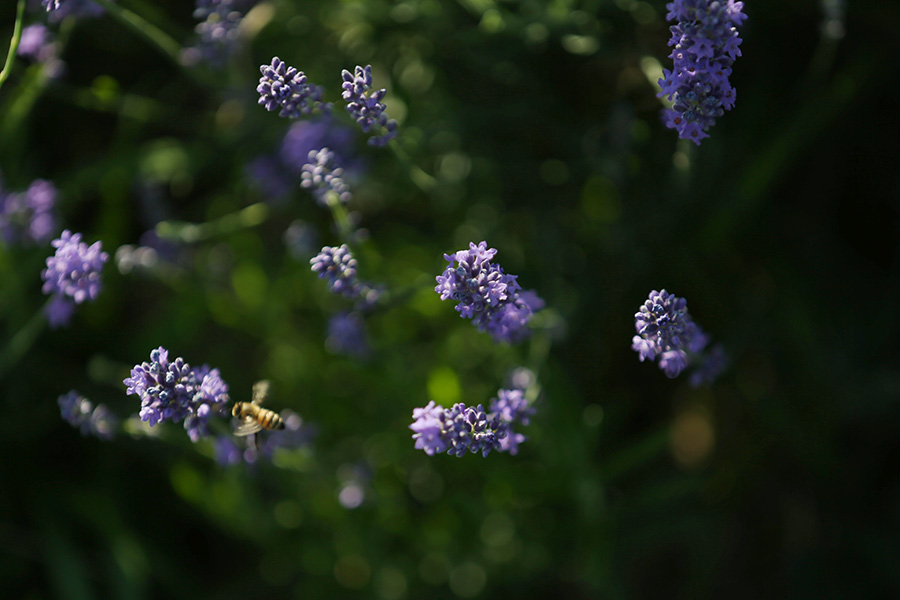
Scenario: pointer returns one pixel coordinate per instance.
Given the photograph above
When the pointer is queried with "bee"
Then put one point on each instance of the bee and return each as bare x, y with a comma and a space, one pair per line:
253, 416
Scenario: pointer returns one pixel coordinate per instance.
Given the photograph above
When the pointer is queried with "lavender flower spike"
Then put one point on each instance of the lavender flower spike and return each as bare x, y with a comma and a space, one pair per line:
72, 274
456, 430
484, 293
80, 413
338, 266
218, 32
366, 106
462, 429
322, 176
706, 42
28, 217
172, 391
285, 88
665, 330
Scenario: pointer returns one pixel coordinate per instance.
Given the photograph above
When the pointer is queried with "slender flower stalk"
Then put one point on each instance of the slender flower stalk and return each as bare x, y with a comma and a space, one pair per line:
13, 42
153, 34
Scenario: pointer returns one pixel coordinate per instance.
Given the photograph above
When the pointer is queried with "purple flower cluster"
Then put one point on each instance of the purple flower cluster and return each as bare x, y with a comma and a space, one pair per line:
275, 175
706, 42
366, 106
285, 88
172, 391
666, 330
29, 216
38, 44
484, 293
322, 176
337, 265
72, 274
218, 32
463, 429
79, 412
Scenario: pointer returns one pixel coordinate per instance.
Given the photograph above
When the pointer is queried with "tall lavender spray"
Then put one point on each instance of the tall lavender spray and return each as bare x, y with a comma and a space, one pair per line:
705, 43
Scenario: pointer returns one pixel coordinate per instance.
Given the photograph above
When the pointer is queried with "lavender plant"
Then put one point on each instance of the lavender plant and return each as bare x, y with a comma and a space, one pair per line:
287, 90
336, 265
173, 391
322, 176
666, 331
366, 106
28, 217
461, 429
705, 40
80, 413
218, 32
347, 335
484, 293
72, 276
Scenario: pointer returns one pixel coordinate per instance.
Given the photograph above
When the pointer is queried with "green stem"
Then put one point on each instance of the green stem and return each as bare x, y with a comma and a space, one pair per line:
341, 217
144, 28
423, 180
21, 342
14, 42
251, 216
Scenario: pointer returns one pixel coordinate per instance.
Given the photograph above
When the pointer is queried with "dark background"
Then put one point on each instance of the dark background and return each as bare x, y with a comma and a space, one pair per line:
781, 230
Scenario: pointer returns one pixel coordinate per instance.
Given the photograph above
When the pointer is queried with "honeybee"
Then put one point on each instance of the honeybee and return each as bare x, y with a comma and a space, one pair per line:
253, 416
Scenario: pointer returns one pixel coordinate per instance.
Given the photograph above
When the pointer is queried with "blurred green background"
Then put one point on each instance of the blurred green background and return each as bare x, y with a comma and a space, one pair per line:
540, 122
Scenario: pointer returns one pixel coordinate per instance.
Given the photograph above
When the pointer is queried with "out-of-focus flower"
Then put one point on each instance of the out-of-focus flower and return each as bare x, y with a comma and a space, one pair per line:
484, 293
38, 44
218, 32
710, 366
266, 174
706, 42
347, 335
79, 412
306, 135
287, 90
366, 106
28, 217
72, 274
322, 176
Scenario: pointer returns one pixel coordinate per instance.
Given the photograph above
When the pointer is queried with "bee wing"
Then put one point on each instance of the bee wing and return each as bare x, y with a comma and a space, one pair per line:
261, 391
248, 427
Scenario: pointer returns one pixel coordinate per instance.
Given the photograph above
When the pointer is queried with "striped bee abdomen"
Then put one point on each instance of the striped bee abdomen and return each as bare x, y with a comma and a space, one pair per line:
269, 419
